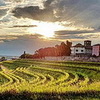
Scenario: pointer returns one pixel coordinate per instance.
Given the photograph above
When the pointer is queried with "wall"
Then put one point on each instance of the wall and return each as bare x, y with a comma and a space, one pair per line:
70, 58
88, 51
96, 50
73, 50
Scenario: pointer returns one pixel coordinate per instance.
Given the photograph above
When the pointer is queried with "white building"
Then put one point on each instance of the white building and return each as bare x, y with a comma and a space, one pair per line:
77, 49
82, 50
96, 50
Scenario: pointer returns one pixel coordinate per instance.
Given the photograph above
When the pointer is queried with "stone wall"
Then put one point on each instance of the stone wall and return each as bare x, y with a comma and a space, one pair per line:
70, 58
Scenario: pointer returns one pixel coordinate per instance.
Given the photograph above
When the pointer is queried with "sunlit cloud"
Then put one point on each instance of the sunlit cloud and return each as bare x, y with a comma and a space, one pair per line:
54, 20
5, 38
47, 29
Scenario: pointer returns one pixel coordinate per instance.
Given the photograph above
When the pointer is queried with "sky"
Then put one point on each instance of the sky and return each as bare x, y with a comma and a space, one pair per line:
27, 25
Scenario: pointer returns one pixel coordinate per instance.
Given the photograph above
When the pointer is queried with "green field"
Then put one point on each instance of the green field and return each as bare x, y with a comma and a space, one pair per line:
51, 80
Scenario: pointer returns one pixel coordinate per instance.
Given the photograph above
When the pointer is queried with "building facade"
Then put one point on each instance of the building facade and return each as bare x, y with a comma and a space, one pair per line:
96, 50
82, 50
78, 49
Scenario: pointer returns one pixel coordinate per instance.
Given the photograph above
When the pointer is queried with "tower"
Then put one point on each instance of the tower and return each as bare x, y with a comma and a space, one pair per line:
87, 43
24, 52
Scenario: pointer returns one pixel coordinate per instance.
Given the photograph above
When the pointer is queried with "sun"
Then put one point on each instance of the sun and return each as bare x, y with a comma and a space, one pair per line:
46, 29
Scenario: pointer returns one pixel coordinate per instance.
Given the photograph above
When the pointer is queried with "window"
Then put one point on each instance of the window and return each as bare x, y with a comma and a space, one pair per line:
76, 50
81, 50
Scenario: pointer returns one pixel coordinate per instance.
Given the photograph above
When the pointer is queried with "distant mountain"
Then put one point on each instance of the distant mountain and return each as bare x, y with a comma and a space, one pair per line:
9, 57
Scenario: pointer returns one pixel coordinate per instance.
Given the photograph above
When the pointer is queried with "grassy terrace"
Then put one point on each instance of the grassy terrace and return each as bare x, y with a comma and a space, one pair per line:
50, 80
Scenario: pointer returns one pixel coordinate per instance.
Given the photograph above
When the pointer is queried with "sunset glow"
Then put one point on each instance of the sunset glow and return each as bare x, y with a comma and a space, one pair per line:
46, 29
31, 24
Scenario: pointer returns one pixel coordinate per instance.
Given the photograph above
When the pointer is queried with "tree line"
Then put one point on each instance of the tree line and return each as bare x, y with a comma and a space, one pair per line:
64, 49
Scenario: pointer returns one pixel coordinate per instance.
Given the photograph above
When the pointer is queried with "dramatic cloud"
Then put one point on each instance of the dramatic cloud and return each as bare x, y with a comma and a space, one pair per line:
47, 4
3, 12
80, 20
24, 26
81, 37
82, 12
7, 38
78, 34
36, 13
2, 3
71, 32
77, 11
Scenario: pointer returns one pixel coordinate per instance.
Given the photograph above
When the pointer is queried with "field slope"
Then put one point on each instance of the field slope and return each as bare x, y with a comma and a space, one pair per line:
51, 79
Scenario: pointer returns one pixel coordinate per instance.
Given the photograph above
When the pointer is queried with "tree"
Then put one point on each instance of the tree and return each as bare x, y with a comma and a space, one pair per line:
59, 50
3, 59
24, 56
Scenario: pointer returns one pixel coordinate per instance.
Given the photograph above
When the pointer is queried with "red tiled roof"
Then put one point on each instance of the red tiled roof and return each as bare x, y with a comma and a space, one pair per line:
96, 45
79, 45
